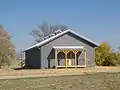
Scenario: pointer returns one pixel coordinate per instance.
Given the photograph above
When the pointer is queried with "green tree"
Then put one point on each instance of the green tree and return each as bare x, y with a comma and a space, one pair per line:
103, 52
105, 56
7, 50
45, 29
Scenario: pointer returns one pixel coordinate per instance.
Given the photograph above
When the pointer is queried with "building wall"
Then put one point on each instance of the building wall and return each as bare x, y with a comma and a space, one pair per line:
32, 58
48, 55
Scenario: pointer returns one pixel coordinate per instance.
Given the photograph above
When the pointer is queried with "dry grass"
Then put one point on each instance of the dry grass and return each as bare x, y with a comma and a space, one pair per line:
97, 81
98, 78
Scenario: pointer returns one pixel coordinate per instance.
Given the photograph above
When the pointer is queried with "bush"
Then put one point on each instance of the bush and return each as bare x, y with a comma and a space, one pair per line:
105, 56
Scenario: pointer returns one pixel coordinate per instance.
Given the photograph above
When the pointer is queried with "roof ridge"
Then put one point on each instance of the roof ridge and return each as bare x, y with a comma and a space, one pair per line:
52, 34
57, 35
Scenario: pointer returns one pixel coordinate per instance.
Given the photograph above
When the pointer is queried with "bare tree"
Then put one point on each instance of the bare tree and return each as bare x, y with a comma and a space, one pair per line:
45, 29
118, 49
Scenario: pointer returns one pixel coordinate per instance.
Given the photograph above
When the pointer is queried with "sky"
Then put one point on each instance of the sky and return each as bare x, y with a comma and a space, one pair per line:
98, 20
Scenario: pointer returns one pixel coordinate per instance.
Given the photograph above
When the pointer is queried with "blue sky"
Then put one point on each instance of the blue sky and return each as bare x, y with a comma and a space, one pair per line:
98, 20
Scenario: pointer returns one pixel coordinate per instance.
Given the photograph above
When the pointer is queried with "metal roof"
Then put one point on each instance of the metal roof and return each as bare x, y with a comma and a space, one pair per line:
60, 34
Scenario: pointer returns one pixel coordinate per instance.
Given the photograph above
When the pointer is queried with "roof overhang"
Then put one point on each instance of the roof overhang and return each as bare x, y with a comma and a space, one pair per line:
68, 47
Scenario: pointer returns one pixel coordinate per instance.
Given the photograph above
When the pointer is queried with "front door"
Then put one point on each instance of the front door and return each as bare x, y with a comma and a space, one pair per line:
68, 62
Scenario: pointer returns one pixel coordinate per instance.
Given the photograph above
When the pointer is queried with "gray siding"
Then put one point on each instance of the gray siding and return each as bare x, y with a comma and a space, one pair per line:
32, 59
47, 53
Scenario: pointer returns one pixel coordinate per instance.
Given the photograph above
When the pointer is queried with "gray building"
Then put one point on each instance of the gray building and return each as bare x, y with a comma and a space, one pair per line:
62, 49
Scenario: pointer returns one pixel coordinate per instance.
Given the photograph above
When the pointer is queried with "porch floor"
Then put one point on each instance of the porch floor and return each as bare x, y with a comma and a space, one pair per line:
71, 66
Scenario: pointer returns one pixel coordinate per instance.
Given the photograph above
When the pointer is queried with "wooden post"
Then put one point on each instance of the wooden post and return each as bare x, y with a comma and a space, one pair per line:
66, 58
85, 57
75, 58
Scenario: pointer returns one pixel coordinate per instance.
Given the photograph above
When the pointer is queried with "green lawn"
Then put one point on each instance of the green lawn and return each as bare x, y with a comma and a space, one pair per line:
98, 81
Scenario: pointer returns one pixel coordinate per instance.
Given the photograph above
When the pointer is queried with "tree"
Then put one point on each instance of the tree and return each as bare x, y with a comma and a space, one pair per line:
7, 50
45, 29
105, 56
102, 53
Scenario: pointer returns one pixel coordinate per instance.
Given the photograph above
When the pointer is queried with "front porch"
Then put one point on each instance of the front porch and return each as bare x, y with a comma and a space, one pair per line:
69, 56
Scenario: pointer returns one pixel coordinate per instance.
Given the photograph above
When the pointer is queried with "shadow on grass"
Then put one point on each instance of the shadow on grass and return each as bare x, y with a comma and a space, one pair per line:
23, 68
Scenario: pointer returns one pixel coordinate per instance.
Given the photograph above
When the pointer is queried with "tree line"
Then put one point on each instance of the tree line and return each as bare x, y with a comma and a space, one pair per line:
104, 54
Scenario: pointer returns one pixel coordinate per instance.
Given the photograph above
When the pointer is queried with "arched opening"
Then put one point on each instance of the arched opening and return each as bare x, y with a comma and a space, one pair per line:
70, 55
70, 58
61, 57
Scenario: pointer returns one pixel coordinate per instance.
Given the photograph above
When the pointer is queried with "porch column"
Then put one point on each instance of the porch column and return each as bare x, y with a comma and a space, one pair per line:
56, 61
85, 57
75, 57
75, 53
66, 58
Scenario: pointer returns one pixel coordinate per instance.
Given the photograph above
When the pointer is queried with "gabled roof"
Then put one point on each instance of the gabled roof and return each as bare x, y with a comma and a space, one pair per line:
60, 34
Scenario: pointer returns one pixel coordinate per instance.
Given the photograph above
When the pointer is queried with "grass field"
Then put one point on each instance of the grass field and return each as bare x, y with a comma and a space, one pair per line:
96, 81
